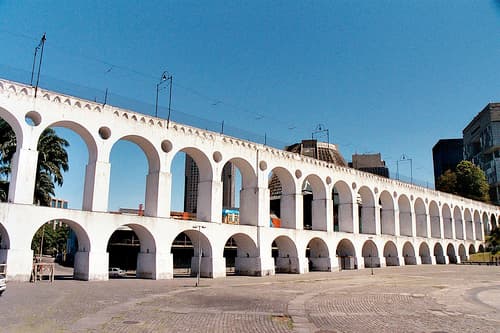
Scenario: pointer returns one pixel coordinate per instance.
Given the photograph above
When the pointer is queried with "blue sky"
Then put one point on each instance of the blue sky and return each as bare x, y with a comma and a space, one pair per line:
383, 76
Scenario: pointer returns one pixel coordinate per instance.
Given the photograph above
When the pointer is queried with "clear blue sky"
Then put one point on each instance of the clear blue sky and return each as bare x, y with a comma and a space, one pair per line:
383, 76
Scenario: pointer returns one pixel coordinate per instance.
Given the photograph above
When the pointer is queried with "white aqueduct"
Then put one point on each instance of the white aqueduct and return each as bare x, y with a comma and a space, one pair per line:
396, 224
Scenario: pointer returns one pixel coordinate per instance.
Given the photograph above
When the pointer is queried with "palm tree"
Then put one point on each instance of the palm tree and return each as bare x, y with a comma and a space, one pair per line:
52, 162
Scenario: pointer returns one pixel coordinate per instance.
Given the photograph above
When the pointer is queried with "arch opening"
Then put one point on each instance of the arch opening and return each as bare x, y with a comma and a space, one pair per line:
425, 254
387, 219
242, 257
391, 254
434, 220
64, 245
439, 254
192, 180
313, 204
342, 207
462, 253
420, 218
450, 252
346, 255
192, 252
370, 254
283, 198
366, 211
409, 254
405, 228
447, 222
459, 223
285, 255
318, 255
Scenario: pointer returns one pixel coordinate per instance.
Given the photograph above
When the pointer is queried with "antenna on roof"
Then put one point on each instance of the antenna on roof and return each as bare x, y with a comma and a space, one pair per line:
321, 130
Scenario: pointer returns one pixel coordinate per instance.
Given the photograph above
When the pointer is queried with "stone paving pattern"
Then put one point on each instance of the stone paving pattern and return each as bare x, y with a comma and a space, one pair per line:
428, 299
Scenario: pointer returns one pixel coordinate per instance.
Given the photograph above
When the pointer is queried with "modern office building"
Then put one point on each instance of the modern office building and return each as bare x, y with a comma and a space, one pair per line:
446, 154
371, 163
482, 145
192, 176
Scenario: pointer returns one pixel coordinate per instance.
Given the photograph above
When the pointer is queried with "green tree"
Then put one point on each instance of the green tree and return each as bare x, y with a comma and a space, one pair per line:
52, 162
468, 180
493, 241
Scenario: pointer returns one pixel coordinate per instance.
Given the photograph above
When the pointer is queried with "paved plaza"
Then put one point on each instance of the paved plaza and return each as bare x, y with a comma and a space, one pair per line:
443, 298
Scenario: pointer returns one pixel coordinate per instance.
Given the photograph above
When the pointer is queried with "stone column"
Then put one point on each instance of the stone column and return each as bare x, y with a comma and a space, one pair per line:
322, 214
22, 182
156, 266
291, 211
210, 201
91, 266
19, 263
158, 187
346, 217
254, 206
96, 187
210, 267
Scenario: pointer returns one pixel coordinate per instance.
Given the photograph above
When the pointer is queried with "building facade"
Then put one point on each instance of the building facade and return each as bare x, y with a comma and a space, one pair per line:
446, 154
482, 145
371, 163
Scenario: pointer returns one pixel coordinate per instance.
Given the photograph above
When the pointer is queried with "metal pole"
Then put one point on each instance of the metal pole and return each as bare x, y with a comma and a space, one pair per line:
40, 64
199, 259
169, 102
156, 104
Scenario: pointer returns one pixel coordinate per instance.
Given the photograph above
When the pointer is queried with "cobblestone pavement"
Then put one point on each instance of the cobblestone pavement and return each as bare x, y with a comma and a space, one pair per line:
428, 299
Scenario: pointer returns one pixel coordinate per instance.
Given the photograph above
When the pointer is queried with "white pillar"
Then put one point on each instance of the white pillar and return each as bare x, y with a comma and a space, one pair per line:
156, 266
291, 211
158, 187
91, 266
209, 201
322, 214
22, 182
346, 217
211, 267
254, 206
96, 187
19, 263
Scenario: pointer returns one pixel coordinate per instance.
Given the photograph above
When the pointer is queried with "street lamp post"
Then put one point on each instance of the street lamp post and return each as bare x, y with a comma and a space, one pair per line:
164, 77
198, 227
405, 158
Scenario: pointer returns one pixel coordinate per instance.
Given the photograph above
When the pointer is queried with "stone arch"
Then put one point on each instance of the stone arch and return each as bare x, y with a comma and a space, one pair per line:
493, 222
435, 220
450, 252
84, 246
405, 220
387, 219
84, 133
425, 253
370, 254
409, 254
314, 199
248, 197
246, 261
128, 255
472, 249
391, 254
346, 254
447, 222
284, 197
342, 207
366, 211
439, 254
319, 256
462, 253
286, 259
459, 224
478, 229
481, 248
200, 243
196, 179
14, 123
486, 224
420, 218
468, 224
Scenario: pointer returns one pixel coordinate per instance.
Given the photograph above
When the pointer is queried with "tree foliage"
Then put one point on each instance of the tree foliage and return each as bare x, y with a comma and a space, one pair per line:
468, 180
54, 235
52, 162
493, 241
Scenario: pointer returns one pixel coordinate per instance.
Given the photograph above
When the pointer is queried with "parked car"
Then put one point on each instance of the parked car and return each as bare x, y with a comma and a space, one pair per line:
115, 272
3, 285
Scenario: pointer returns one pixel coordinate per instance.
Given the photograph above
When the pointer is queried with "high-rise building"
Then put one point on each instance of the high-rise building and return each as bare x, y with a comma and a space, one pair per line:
371, 163
192, 175
482, 145
446, 154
